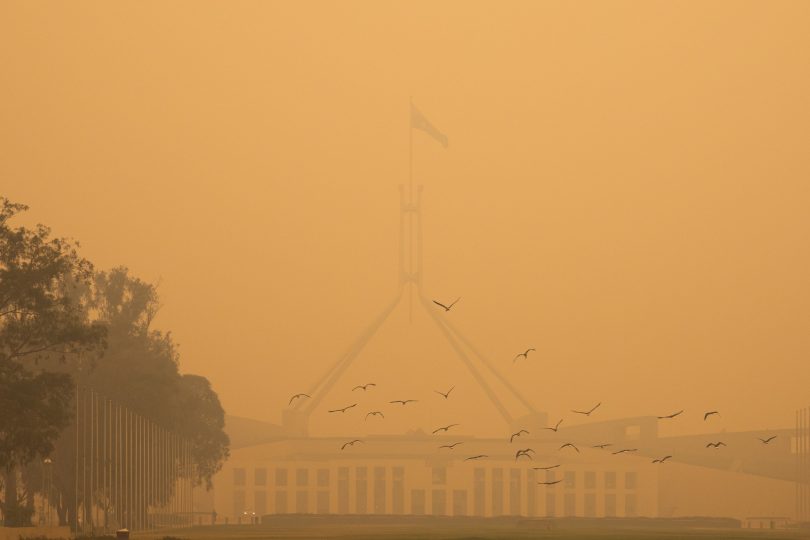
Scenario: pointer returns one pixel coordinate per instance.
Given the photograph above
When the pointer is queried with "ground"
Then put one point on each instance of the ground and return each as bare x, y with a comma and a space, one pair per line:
296, 527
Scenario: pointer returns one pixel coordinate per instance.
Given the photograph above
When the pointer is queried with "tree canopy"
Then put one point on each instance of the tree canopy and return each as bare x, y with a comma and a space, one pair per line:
62, 323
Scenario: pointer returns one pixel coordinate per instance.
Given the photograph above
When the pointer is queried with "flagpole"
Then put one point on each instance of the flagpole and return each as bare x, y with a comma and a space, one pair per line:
410, 213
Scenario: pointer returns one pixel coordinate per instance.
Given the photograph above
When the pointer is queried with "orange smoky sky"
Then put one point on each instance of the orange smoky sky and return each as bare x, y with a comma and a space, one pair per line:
626, 189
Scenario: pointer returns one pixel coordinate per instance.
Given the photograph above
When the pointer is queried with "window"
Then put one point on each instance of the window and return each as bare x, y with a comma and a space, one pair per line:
398, 490
630, 480
323, 477
610, 480
590, 480
322, 502
238, 502
239, 477
570, 505
302, 502
439, 475
343, 490
302, 477
281, 477
479, 493
590, 505
630, 505
514, 492
497, 492
439, 502
551, 476
459, 502
632, 433
551, 505
531, 492
379, 490
281, 502
418, 502
570, 480
610, 505
260, 477
361, 490
260, 503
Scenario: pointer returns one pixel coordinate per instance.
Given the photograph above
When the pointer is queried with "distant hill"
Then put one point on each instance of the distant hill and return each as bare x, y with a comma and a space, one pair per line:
247, 431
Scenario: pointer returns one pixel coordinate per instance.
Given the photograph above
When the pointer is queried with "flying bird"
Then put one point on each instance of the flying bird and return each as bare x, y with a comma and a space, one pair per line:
661, 460
445, 428
545, 468
588, 413
451, 446
445, 394
673, 415
623, 450
550, 483
447, 308
708, 414
717, 444
296, 396
375, 413
403, 401
517, 434
524, 453
344, 408
523, 354
568, 444
350, 443
603, 446
476, 457
769, 439
363, 386
555, 428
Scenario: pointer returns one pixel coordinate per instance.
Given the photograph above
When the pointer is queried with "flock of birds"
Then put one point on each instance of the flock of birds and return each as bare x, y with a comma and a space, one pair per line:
525, 452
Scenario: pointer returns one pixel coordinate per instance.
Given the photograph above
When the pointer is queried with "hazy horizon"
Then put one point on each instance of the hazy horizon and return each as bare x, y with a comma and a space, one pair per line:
625, 189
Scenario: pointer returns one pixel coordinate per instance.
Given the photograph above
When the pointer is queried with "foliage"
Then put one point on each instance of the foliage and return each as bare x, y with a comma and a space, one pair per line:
37, 315
36, 407
203, 422
56, 315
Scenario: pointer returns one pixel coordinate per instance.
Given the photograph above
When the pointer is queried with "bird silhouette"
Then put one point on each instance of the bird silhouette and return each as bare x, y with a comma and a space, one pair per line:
769, 439
550, 483
375, 413
588, 413
403, 401
525, 452
523, 354
344, 409
350, 443
447, 308
555, 428
717, 444
708, 414
476, 457
296, 396
517, 434
545, 468
661, 460
604, 445
363, 386
623, 450
445, 428
451, 446
569, 444
673, 415
445, 394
